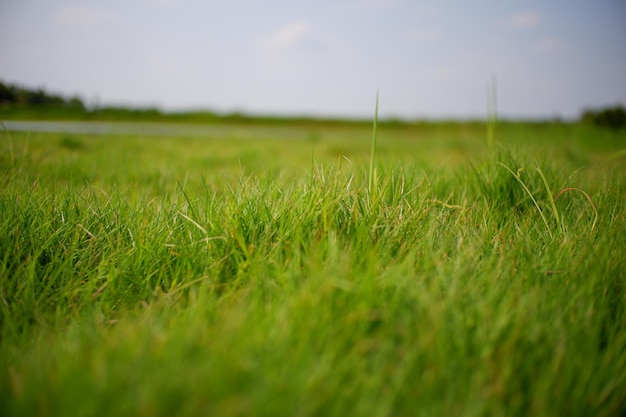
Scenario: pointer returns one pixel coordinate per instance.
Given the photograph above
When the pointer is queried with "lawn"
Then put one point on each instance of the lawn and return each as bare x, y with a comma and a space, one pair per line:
232, 276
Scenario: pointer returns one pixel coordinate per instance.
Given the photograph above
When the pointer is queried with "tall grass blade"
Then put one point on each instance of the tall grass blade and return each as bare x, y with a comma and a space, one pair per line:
530, 194
372, 174
593, 206
492, 114
555, 212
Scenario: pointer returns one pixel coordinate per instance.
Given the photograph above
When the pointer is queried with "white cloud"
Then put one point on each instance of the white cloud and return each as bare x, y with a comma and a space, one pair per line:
549, 44
289, 35
423, 35
300, 36
524, 19
352, 6
151, 3
82, 17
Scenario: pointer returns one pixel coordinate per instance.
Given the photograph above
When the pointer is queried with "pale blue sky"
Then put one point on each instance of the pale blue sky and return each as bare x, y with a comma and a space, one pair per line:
427, 58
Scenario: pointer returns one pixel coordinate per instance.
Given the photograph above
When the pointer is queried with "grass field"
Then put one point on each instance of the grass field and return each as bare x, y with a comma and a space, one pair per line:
186, 276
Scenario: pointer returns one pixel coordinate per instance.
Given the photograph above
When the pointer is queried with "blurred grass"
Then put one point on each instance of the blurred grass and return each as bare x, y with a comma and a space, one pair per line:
233, 276
292, 147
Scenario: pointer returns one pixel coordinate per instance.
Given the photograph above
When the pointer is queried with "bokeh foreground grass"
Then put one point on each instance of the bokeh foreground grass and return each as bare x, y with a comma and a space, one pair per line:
155, 276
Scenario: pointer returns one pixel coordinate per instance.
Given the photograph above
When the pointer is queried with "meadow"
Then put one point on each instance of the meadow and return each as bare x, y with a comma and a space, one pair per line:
289, 275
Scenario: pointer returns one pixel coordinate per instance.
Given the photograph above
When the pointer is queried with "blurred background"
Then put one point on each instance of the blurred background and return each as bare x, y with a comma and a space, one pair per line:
428, 59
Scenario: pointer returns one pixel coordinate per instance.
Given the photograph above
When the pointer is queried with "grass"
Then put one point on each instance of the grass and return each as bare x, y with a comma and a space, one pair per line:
180, 276
372, 168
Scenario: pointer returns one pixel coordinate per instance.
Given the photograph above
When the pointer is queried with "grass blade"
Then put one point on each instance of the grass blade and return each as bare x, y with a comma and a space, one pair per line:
530, 194
372, 174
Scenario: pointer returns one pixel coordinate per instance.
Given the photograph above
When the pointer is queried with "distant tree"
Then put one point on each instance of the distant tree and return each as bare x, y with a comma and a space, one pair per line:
13, 94
8, 93
36, 96
76, 103
611, 117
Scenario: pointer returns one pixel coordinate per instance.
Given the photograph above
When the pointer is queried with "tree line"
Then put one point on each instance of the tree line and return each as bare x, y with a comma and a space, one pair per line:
14, 95
15, 98
613, 118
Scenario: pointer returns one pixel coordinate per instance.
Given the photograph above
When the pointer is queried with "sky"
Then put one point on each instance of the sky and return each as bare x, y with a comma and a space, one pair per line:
427, 59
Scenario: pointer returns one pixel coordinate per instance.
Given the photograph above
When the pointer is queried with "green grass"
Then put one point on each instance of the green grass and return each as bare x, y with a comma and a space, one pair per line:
179, 276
